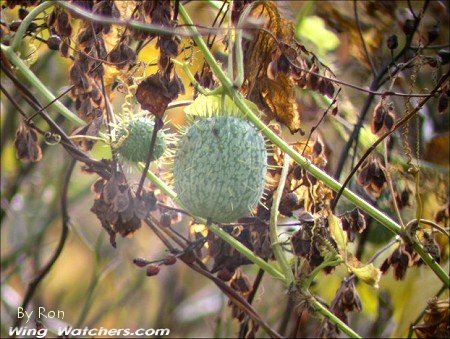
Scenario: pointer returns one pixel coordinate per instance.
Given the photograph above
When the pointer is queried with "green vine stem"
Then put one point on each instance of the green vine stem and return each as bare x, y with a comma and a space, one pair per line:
276, 246
253, 258
46, 93
63, 110
217, 230
306, 164
39, 86
228, 85
319, 307
18, 36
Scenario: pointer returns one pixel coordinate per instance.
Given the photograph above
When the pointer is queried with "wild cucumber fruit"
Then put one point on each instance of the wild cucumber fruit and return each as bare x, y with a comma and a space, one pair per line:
219, 168
133, 140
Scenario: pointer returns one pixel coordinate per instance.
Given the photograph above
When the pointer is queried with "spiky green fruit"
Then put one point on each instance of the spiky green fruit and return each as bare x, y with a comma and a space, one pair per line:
219, 168
133, 140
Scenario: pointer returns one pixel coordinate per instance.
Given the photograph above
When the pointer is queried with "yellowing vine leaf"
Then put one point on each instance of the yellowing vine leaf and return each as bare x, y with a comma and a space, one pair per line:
279, 96
367, 273
338, 233
276, 97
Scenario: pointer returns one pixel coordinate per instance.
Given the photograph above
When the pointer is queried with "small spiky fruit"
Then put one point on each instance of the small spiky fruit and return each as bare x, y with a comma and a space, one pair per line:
219, 168
133, 140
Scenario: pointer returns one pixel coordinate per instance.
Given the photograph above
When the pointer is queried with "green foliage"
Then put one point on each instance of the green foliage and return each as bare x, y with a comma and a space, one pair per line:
313, 29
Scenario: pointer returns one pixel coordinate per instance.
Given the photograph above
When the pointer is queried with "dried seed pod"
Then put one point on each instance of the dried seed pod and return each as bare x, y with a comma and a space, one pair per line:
297, 172
141, 262
329, 90
372, 177
443, 214
152, 270
225, 274
14, 26
378, 117
392, 42
353, 222
241, 283
442, 103
288, 203
433, 33
402, 258
435, 322
22, 13
170, 259
318, 148
53, 42
188, 257
27, 145
122, 55
334, 111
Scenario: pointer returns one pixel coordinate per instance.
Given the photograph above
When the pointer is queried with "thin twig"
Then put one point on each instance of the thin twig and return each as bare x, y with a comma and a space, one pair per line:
372, 88
383, 249
391, 183
411, 9
399, 124
65, 140
159, 123
235, 297
33, 285
320, 120
363, 42
376, 82
244, 325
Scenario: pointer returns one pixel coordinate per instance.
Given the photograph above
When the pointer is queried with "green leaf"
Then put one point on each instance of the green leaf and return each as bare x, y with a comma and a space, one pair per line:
313, 29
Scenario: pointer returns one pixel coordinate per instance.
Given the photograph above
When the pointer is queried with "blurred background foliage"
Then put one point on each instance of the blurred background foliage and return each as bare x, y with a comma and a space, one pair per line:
97, 285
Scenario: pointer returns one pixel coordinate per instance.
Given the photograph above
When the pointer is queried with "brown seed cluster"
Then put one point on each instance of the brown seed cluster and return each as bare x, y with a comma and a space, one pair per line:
22, 3
345, 301
372, 177
275, 62
27, 144
403, 257
118, 209
313, 240
382, 118
353, 222
435, 322
241, 284
158, 90
254, 235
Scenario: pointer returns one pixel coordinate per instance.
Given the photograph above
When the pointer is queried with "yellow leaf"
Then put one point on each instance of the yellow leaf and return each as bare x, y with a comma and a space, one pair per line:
367, 273
338, 233
279, 96
275, 97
